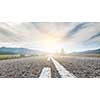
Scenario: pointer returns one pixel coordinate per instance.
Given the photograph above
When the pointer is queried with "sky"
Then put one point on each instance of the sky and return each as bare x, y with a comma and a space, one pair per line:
51, 36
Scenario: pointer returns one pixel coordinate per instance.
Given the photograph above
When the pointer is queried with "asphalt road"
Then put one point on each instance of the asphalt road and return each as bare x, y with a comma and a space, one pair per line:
57, 67
30, 67
82, 67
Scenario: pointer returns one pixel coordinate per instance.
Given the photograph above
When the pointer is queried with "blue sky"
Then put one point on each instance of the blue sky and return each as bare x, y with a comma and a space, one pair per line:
51, 36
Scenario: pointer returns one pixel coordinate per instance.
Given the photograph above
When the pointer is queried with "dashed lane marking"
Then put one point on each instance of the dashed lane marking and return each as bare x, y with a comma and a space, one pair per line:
62, 71
46, 73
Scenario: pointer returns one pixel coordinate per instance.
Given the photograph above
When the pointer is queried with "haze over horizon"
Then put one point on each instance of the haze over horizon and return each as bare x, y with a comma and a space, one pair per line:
51, 36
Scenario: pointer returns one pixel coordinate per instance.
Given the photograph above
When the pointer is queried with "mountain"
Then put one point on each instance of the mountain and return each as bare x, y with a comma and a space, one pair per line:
97, 51
24, 51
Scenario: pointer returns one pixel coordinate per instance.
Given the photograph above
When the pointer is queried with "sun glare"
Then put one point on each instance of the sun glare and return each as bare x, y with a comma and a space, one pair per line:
51, 45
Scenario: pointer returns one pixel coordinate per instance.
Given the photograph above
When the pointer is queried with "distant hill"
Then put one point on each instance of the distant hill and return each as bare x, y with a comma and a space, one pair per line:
97, 51
24, 51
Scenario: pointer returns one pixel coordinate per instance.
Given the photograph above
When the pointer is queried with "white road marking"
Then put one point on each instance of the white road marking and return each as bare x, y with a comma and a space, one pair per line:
62, 71
48, 59
46, 73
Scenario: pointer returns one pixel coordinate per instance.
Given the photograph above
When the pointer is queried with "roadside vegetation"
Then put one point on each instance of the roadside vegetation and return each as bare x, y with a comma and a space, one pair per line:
13, 56
86, 55
9, 56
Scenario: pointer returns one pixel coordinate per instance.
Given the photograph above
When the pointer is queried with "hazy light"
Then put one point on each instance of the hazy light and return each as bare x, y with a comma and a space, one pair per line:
51, 44
50, 37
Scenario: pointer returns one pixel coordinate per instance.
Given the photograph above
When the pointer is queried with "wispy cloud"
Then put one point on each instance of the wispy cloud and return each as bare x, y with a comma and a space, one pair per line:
94, 36
33, 35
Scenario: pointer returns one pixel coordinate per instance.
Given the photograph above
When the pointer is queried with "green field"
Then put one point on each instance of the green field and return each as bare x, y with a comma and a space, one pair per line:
86, 55
5, 56
79, 55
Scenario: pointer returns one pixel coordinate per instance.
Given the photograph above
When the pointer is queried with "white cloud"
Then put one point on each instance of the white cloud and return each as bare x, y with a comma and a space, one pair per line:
34, 35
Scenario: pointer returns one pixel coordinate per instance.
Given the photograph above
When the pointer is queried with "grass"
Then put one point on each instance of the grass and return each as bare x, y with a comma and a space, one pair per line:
86, 55
5, 56
79, 55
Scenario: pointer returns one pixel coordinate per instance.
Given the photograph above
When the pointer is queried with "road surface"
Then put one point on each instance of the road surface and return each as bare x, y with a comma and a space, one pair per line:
47, 67
30, 67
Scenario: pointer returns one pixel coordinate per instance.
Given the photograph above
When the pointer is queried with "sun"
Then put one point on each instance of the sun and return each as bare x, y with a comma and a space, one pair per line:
51, 45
